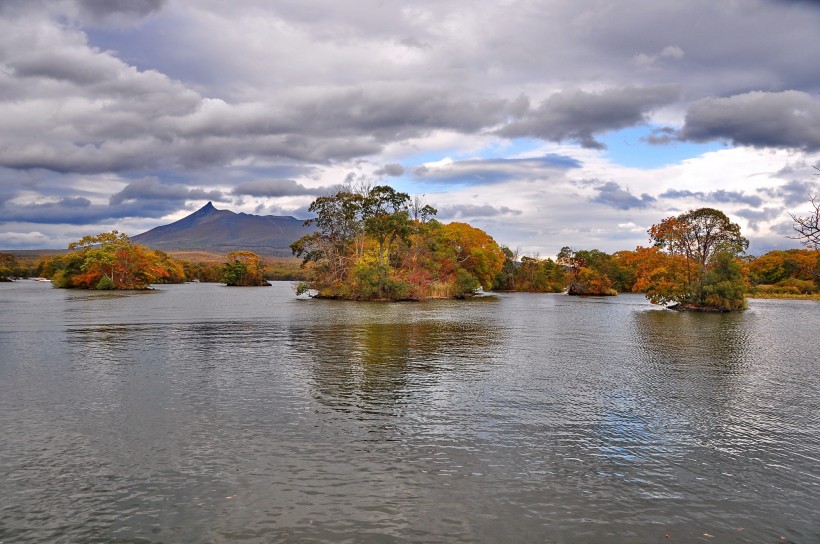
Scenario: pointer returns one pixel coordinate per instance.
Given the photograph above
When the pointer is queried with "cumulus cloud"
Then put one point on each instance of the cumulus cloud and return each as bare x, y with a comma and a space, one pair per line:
794, 192
107, 9
612, 194
755, 218
12, 240
96, 91
579, 116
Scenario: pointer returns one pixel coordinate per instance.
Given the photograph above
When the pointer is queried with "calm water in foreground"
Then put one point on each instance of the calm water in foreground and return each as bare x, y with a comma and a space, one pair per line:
202, 413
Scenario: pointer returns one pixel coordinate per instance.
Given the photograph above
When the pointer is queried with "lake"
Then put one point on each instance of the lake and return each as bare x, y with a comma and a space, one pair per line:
203, 413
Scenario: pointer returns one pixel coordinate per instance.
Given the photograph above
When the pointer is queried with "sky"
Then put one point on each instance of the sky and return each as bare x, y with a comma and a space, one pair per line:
546, 123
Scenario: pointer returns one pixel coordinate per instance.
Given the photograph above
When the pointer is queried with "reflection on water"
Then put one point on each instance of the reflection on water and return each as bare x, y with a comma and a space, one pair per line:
675, 338
381, 366
202, 414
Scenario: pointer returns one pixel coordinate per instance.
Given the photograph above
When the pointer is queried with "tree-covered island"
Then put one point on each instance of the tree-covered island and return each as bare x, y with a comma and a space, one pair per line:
379, 244
110, 261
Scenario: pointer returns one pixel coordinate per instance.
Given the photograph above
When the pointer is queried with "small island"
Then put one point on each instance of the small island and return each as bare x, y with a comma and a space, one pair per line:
111, 261
378, 244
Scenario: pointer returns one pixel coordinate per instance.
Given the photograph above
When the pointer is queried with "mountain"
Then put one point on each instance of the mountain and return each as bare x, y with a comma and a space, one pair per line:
222, 231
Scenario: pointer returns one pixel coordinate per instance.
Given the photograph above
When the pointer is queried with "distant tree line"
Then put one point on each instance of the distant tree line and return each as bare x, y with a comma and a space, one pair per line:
696, 260
378, 243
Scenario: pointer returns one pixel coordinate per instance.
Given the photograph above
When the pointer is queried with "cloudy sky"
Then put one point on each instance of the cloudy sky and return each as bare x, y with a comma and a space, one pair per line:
545, 122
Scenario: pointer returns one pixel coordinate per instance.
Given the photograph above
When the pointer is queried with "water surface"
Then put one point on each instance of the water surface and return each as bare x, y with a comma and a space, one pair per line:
202, 413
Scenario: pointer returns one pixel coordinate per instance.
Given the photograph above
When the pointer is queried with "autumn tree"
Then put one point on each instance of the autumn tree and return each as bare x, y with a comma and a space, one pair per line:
111, 261
8, 265
244, 268
475, 252
661, 276
704, 238
791, 271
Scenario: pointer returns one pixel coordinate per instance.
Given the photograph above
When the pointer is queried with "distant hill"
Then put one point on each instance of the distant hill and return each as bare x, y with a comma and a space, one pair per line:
222, 231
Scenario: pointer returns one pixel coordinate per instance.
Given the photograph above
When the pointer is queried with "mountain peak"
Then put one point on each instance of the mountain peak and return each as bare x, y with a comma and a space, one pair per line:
220, 231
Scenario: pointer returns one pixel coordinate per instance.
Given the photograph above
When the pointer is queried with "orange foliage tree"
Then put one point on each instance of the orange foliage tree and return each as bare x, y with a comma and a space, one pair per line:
710, 244
111, 261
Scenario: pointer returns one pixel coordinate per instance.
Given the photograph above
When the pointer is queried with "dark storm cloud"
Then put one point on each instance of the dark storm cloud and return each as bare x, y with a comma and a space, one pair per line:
480, 171
79, 211
103, 9
275, 188
579, 116
788, 119
153, 189
721, 196
612, 194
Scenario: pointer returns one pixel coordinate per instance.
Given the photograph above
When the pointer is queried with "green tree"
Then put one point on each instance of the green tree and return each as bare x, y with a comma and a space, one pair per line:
339, 238
386, 214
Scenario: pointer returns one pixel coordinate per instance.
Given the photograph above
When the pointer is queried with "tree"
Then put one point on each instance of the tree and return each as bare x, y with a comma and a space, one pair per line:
386, 214
111, 261
808, 227
697, 236
661, 276
377, 243
339, 238
475, 251
8, 265
244, 268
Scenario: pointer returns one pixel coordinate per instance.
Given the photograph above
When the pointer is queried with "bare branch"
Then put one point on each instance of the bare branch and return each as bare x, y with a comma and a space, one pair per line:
808, 227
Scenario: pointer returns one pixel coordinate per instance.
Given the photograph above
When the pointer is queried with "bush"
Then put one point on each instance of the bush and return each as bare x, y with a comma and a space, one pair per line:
801, 286
105, 284
465, 285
